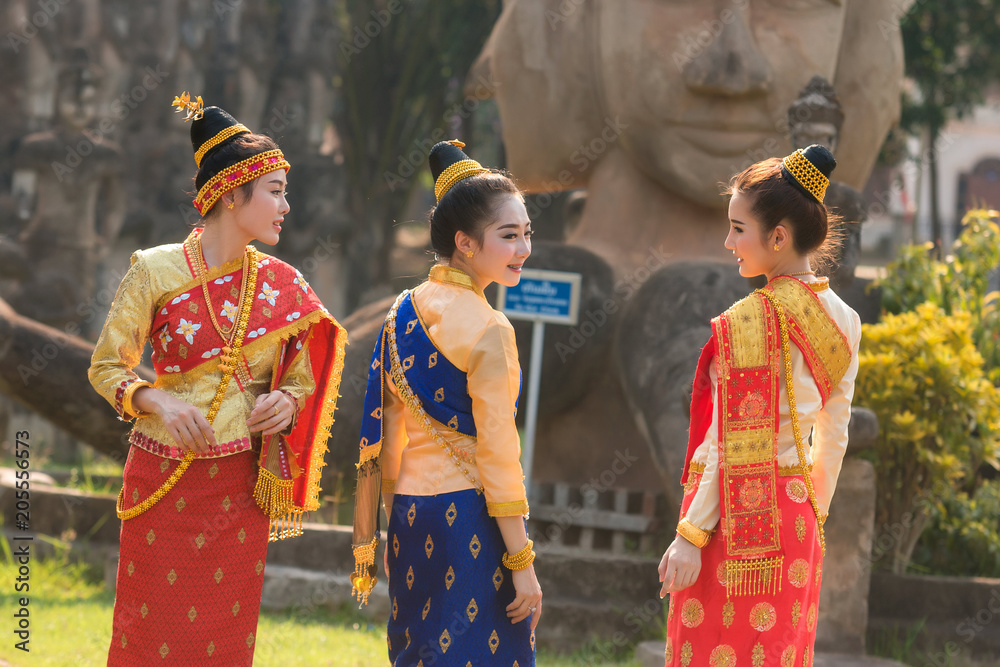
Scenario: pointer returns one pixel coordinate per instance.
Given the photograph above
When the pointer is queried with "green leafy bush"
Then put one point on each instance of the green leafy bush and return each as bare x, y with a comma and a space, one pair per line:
921, 373
960, 283
962, 538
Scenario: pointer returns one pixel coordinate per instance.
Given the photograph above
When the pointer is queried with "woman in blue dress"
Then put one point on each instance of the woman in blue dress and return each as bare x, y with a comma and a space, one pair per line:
439, 443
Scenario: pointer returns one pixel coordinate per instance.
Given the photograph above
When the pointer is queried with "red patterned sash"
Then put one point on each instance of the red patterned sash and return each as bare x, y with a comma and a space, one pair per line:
286, 313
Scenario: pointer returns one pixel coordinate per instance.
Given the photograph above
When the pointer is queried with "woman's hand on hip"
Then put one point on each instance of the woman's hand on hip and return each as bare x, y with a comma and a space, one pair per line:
529, 597
680, 566
272, 413
185, 423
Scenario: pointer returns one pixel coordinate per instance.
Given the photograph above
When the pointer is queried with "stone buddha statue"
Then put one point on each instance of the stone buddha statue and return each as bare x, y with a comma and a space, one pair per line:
817, 117
67, 185
651, 104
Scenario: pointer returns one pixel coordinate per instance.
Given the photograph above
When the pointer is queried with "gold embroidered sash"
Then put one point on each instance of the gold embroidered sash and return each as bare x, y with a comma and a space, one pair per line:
748, 340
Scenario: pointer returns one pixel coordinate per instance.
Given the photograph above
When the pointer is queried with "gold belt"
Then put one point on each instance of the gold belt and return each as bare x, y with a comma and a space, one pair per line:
784, 471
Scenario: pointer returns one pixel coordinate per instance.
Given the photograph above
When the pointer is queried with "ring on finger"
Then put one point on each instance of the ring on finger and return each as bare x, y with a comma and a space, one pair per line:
275, 410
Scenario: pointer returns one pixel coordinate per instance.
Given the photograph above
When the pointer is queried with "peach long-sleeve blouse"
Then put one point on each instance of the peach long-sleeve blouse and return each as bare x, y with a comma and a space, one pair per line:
479, 341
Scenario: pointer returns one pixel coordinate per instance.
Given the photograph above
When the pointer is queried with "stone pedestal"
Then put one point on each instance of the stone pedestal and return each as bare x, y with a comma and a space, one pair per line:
843, 605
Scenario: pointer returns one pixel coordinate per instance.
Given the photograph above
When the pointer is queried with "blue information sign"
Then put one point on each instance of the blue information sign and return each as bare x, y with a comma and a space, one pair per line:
542, 296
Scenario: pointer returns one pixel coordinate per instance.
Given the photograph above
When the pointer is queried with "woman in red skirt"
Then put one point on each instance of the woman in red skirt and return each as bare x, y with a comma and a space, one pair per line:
228, 442
745, 569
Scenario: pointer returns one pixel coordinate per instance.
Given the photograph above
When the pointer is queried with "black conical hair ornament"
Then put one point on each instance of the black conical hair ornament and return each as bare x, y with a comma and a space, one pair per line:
808, 170
211, 128
449, 165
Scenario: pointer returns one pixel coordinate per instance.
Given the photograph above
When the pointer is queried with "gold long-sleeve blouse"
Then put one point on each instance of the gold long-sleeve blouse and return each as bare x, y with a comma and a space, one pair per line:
156, 277
479, 341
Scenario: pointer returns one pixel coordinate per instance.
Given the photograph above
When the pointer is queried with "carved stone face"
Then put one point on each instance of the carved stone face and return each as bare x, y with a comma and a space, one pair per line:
704, 86
78, 104
807, 134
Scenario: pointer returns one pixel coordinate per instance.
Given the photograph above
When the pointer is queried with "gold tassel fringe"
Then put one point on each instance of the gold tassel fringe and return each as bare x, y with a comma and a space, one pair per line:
289, 525
273, 494
754, 577
363, 580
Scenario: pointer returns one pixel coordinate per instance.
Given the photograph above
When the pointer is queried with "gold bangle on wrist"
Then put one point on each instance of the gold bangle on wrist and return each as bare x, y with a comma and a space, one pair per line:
693, 533
521, 560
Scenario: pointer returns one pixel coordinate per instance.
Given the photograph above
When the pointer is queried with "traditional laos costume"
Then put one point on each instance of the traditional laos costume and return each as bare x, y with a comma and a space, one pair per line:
195, 527
781, 363
439, 437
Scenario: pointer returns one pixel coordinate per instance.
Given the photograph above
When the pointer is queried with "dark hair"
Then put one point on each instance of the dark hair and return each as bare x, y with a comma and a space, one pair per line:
239, 148
470, 206
815, 230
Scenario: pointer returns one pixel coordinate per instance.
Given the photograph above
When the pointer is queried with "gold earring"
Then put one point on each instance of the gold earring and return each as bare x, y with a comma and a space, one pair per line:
777, 247
469, 254
233, 203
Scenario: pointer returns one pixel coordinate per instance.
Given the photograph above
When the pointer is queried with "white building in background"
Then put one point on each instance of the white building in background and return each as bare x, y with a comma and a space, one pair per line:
968, 177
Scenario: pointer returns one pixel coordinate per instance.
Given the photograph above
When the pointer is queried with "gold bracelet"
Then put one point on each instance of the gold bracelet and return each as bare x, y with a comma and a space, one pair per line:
521, 560
693, 533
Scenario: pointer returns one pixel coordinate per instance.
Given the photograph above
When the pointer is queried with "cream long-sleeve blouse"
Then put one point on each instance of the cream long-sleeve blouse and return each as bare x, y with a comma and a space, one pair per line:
828, 424
479, 341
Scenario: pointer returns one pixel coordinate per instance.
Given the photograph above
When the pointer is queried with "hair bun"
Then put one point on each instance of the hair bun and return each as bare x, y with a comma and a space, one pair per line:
444, 154
214, 128
821, 158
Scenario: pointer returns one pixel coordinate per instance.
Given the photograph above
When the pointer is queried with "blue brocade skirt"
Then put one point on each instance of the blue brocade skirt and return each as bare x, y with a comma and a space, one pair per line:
448, 589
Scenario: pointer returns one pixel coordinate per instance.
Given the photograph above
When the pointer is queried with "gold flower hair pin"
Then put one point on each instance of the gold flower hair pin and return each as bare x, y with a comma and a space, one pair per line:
195, 110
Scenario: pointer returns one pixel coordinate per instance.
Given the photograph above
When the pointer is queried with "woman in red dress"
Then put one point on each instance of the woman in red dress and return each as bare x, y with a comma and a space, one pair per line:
228, 442
745, 569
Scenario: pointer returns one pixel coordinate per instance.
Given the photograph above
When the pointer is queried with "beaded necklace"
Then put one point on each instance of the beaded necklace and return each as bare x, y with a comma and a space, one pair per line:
796, 431
202, 272
228, 366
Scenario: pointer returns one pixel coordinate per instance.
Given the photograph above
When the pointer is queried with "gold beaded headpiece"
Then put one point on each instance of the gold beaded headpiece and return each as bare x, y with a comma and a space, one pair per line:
236, 175
212, 127
456, 172
807, 174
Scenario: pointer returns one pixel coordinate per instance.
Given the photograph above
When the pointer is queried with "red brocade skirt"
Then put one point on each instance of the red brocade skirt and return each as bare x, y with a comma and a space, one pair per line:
705, 627
191, 567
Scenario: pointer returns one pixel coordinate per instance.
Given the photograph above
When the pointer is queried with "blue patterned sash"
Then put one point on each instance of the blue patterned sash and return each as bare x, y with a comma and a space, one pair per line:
440, 386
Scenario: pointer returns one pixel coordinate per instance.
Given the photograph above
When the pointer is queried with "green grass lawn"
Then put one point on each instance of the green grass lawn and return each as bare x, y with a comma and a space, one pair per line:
71, 625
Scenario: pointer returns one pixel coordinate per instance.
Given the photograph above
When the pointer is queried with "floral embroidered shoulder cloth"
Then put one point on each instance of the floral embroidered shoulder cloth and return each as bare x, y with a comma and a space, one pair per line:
287, 313
750, 342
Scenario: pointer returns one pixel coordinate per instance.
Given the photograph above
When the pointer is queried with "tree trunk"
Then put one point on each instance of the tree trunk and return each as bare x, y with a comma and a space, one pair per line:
45, 370
932, 170
903, 551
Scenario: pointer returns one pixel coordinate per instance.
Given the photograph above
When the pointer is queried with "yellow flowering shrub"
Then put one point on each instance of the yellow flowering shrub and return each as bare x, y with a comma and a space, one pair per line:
921, 373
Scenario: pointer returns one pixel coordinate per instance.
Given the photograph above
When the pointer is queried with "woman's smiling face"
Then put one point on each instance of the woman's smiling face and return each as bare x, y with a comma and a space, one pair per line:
506, 243
262, 215
746, 240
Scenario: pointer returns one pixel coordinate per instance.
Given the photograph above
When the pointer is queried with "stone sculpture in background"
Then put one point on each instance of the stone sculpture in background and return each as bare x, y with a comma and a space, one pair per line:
67, 189
817, 118
651, 106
